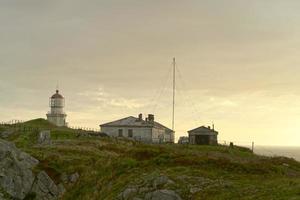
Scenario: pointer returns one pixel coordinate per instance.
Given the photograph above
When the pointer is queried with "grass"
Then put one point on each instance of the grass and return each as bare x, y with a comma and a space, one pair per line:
106, 166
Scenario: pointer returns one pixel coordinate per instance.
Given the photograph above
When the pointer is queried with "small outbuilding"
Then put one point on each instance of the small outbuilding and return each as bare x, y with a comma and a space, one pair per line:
203, 136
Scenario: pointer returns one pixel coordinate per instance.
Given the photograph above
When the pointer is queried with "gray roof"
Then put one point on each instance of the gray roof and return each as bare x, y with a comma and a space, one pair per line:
134, 122
203, 131
57, 95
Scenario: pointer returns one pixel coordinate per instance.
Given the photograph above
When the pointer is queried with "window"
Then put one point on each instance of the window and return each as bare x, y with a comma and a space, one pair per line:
130, 133
120, 133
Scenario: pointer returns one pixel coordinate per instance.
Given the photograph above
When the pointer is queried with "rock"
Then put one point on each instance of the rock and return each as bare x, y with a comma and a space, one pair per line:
144, 190
17, 180
73, 177
6, 134
16, 175
128, 193
146, 184
44, 187
162, 195
161, 181
285, 164
44, 138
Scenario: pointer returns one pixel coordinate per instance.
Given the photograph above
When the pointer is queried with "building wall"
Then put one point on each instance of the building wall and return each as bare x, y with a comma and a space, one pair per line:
56, 115
213, 139
143, 134
158, 135
169, 137
192, 139
58, 120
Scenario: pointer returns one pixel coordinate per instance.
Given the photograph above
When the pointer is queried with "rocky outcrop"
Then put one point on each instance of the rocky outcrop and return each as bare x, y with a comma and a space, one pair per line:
151, 187
155, 186
44, 187
17, 179
162, 195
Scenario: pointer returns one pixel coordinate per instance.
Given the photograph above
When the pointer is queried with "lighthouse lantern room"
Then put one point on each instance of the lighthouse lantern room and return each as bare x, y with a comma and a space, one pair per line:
57, 115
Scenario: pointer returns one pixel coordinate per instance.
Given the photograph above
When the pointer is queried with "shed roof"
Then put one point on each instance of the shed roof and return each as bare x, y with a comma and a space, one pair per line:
134, 122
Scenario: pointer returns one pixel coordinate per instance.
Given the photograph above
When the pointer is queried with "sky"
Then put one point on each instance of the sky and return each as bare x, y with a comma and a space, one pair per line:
238, 63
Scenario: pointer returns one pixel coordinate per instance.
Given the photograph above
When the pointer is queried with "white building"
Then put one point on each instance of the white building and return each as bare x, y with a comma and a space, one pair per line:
57, 115
139, 129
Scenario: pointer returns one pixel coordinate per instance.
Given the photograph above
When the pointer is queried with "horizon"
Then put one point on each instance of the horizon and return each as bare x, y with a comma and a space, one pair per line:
237, 64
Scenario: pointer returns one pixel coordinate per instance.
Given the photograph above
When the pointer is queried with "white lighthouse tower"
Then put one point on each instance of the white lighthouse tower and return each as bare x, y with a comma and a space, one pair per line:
57, 115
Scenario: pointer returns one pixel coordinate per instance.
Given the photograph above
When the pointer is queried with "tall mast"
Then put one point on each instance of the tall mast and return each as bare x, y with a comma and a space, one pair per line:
174, 88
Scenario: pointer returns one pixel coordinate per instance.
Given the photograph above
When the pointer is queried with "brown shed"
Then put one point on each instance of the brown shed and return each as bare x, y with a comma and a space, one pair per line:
203, 136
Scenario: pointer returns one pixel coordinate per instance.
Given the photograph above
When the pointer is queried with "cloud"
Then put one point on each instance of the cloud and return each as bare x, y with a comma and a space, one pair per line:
106, 99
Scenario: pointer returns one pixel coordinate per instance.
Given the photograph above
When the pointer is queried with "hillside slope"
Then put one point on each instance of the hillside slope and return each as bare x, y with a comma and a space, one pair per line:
106, 168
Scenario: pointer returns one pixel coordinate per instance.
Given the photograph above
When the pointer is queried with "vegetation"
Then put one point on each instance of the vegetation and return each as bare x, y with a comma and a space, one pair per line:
106, 166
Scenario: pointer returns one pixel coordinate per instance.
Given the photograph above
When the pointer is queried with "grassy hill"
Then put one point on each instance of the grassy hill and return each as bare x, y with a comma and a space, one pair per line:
108, 166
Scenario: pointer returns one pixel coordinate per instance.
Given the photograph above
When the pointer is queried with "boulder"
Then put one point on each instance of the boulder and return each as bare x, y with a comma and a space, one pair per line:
73, 177
69, 179
16, 175
44, 138
161, 181
128, 193
162, 195
152, 187
44, 188
17, 181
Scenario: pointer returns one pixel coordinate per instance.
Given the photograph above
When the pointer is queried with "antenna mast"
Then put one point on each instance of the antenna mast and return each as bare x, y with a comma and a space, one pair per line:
174, 88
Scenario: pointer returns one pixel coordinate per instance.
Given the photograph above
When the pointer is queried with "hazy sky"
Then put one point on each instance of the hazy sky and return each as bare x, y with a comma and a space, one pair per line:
238, 59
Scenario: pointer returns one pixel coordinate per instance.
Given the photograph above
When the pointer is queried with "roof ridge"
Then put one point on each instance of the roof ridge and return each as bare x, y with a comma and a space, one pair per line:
134, 121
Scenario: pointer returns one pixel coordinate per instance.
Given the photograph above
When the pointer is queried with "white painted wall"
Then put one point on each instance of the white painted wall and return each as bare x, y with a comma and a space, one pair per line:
144, 134
139, 133
56, 115
158, 135
57, 119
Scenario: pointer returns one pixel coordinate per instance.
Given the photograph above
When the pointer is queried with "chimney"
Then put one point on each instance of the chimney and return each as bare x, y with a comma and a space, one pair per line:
208, 127
141, 117
151, 118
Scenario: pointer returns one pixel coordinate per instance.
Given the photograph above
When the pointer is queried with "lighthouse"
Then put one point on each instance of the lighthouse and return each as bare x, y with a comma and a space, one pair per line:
57, 115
